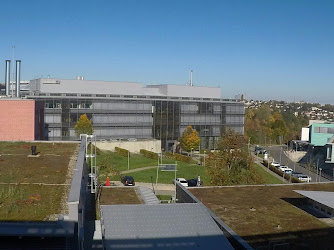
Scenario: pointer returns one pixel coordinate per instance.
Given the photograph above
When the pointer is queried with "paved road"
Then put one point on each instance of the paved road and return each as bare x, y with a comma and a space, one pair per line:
279, 156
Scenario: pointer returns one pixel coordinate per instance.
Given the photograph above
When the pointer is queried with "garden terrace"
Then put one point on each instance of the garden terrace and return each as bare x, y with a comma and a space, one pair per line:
263, 214
35, 188
120, 196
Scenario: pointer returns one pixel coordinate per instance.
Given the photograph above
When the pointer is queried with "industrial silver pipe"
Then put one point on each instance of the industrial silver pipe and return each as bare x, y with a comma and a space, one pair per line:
18, 75
7, 78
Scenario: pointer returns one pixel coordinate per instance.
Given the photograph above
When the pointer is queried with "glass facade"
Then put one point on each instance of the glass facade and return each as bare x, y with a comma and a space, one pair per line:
143, 117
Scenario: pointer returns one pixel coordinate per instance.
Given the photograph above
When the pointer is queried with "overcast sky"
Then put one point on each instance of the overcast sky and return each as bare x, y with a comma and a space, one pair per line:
280, 50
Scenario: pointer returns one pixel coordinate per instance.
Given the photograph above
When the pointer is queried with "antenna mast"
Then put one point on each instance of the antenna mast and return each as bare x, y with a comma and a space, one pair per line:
191, 78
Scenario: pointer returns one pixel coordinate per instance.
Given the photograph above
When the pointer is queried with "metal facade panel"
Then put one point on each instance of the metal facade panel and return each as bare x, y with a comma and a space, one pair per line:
160, 226
323, 197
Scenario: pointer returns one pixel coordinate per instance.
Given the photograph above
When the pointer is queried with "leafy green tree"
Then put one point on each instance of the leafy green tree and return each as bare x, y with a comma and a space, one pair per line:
189, 139
231, 163
83, 126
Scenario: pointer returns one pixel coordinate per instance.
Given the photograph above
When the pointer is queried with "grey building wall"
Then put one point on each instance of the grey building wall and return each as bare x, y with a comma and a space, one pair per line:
46, 85
122, 110
188, 91
54, 85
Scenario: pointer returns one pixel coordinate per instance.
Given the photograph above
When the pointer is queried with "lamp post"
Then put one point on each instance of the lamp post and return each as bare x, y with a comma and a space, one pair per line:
128, 159
320, 174
280, 156
156, 179
317, 171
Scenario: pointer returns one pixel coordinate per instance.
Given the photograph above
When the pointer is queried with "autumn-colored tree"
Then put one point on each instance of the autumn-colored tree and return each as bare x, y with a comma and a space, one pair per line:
231, 163
83, 126
189, 139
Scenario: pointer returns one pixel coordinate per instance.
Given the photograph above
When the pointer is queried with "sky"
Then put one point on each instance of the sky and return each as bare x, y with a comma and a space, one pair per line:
282, 50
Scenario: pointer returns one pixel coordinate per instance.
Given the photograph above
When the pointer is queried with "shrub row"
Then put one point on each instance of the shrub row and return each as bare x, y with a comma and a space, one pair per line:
149, 154
122, 151
178, 157
280, 173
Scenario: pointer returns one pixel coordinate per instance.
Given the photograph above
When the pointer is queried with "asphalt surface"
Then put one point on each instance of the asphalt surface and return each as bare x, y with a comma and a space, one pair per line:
279, 156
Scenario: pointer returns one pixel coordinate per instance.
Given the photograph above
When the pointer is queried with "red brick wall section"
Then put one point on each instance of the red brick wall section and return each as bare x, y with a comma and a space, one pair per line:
17, 120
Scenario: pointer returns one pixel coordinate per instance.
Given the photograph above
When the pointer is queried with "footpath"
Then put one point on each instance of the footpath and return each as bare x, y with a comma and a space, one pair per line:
137, 169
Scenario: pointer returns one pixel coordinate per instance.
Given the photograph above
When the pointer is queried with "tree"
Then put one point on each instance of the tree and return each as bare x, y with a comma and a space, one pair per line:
83, 126
189, 139
231, 163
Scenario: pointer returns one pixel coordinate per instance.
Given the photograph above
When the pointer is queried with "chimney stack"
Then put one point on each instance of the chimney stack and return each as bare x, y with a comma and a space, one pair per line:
7, 78
18, 75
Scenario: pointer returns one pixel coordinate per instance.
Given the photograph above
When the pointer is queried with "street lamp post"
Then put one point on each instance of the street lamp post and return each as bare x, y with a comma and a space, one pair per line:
317, 171
320, 174
280, 156
128, 159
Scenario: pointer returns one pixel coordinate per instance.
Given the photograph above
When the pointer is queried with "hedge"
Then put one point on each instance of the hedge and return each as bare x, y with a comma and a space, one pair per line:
149, 154
280, 173
122, 151
178, 157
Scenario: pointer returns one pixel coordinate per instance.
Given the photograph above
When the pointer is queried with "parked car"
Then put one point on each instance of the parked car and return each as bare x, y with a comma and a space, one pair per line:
304, 178
182, 181
283, 168
260, 151
275, 164
296, 174
128, 181
193, 183
288, 171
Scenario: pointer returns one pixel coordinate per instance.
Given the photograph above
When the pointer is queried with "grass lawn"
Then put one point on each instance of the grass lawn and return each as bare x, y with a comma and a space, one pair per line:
164, 197
184, 170
267, 177
109, 158
109, 161
254, 213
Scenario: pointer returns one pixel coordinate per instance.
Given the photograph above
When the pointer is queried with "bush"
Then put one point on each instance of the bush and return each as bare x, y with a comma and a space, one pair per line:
122, 151
280, 173
149, 154
178, 157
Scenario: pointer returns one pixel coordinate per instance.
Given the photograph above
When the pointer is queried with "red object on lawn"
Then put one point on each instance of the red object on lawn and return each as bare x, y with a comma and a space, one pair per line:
107, 182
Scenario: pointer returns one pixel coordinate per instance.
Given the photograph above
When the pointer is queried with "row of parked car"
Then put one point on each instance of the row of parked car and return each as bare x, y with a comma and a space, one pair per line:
300, 176
188, 183
129, 181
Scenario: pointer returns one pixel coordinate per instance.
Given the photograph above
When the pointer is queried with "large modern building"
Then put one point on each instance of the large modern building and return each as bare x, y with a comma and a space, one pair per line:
131, 110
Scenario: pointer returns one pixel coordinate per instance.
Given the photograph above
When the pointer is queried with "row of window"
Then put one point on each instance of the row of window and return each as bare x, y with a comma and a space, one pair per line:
324, 130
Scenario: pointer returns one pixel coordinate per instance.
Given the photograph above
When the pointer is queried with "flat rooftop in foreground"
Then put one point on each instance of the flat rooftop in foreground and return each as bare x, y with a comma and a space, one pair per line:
170, 226
262, 213
35, 188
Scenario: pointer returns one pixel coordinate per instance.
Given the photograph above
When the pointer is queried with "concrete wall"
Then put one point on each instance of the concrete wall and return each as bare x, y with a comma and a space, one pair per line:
132, 146
17, 120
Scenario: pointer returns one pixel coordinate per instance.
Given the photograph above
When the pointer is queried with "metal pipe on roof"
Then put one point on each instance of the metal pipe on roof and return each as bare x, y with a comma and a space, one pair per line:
7, 77
18, 75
